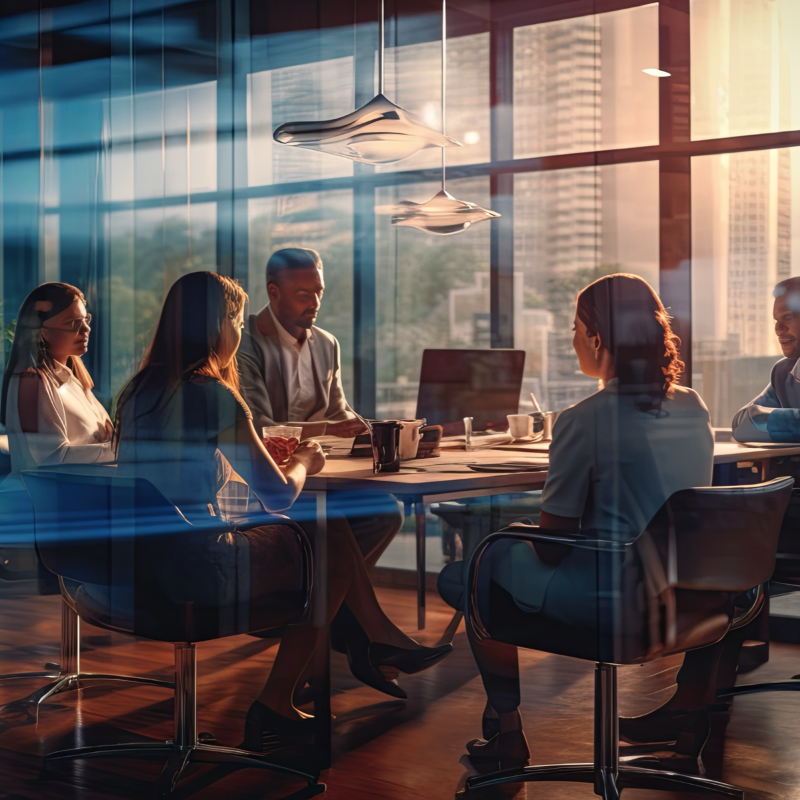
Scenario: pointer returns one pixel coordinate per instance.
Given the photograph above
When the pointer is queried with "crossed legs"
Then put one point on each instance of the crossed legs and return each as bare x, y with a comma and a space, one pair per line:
348, 581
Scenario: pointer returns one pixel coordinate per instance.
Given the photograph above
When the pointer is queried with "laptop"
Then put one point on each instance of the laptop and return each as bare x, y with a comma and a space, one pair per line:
482, 384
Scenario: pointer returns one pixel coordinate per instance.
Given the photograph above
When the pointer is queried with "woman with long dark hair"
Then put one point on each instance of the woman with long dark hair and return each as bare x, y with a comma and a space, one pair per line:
181, 424
614, 460
47, 404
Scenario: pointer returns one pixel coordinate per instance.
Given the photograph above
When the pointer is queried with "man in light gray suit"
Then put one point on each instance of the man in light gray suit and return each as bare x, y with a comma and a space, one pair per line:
290, 369
290, 373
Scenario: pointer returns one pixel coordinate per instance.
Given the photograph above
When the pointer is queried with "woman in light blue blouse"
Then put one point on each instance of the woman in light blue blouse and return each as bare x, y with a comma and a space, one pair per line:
615, 458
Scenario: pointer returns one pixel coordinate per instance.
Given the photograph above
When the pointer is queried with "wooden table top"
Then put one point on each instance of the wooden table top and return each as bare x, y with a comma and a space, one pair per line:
445, 474
449, 473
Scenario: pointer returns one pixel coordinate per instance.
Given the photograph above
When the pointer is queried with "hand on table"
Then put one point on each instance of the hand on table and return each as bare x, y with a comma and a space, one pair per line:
346, 429
309, 453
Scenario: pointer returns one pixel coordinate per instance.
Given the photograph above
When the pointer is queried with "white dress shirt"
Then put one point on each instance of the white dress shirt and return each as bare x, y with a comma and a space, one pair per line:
298, 373
68, 418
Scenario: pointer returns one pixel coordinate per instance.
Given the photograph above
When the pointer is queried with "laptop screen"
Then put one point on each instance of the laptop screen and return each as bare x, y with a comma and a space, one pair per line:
482, 384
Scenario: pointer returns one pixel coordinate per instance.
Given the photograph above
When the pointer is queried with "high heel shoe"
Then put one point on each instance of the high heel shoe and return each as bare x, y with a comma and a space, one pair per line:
664, 725
266, 730
408, 661
363, 668
509, 749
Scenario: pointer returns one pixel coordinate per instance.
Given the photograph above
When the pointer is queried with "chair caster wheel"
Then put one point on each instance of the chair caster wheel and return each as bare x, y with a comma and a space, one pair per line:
207, 738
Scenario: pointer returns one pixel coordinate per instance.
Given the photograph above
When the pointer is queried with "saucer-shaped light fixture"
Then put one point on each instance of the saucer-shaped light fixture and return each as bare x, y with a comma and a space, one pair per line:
442, 215
379, 132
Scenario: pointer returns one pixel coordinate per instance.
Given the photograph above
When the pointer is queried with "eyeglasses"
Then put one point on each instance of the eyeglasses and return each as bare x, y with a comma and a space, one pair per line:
73, 325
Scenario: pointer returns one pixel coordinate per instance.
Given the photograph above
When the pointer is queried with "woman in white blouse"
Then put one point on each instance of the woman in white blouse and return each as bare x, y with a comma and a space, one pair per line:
48, 408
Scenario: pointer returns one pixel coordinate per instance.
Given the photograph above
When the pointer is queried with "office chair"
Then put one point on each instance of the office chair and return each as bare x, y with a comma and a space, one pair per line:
119, 536
670, 590
20, 562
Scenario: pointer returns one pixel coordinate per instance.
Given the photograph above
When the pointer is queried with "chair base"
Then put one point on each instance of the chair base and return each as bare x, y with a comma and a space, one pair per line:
187, 746
60, 683
792, 685
67, 676
83, 680
180, 758
608, 775
627, 777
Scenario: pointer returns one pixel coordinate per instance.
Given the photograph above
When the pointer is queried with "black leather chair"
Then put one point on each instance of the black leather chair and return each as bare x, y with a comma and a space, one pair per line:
670, 590
19, 562
785, 577
125, 540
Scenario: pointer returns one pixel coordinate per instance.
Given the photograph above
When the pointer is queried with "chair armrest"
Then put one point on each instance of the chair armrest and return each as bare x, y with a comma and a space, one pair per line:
531, 534
553, 536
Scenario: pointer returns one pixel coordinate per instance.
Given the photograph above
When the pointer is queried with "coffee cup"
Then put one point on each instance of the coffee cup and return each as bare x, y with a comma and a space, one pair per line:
409, 437
520, 426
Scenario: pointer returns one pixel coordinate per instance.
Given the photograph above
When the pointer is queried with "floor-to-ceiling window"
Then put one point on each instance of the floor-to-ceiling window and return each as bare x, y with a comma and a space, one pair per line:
653, 138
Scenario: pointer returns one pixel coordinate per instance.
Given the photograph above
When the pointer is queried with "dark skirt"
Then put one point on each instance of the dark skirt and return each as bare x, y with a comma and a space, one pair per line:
205, 586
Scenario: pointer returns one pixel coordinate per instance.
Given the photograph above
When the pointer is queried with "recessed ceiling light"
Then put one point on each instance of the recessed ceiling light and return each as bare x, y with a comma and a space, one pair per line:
657, 73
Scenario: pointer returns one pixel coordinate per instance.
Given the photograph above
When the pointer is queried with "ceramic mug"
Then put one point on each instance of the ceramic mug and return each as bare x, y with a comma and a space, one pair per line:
409, 437
520, 426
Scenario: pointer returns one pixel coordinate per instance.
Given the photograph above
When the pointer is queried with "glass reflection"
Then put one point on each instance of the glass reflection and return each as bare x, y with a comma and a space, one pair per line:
745, 218
579, 83
570, 228
745, 67
436, 295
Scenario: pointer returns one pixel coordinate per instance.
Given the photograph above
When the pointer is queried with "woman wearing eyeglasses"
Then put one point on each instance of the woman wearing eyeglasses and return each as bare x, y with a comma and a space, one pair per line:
47, 406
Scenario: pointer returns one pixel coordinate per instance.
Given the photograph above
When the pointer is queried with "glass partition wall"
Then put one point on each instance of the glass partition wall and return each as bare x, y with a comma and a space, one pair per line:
612, 135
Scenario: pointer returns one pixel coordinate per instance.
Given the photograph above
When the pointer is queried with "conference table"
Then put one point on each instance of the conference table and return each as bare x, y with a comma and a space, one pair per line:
457, 474
452, 476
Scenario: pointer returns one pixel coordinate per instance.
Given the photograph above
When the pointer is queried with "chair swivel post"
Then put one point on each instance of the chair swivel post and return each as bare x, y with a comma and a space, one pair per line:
185, 695
606, 729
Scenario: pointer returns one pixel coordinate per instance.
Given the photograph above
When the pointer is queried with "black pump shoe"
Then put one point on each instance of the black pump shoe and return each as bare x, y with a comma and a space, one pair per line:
664, 725
353, 638
509, 749
363, 667
408, 661
265, 730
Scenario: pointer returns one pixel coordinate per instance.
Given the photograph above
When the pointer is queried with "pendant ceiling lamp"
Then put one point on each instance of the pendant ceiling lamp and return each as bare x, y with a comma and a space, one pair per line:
379, 132
443, 214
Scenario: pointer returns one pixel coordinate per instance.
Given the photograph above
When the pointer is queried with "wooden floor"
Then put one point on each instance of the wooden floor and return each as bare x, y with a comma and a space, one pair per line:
382, 748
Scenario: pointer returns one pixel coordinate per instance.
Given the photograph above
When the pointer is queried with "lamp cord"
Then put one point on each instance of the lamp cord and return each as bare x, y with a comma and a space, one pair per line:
444, 79
380, 50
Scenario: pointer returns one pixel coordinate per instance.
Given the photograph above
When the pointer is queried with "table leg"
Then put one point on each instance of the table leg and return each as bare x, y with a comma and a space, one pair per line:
419, 513
321, 680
